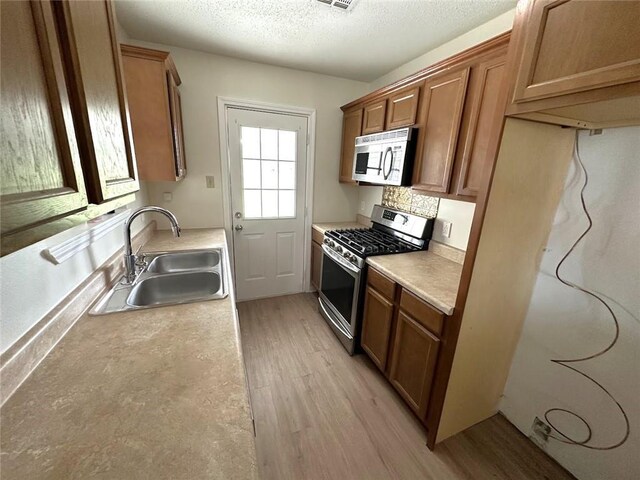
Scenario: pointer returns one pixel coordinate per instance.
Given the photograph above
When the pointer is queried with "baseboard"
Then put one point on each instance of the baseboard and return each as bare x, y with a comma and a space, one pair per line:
17, 363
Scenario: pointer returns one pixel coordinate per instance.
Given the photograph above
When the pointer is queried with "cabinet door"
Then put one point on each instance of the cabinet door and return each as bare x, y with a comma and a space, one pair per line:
442, 115
402, 108
316, 264
413, 364
99, 99
175, 103
571, 46
480, 114
351, 128
376, 327
374, 116
41, 172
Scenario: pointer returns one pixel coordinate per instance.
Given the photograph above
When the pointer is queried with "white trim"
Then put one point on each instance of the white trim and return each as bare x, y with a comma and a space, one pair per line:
92, 232
224, 103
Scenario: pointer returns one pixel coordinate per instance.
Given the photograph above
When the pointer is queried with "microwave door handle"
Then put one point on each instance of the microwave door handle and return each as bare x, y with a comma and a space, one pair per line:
388, 152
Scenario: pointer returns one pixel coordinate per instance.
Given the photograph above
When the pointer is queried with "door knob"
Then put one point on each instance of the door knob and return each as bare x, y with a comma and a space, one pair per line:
238, 227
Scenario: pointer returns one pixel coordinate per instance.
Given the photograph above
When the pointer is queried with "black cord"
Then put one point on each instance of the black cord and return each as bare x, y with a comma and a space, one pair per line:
564, 363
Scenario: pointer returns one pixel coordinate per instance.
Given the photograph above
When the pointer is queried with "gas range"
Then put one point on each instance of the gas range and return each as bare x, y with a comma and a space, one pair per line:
392, 232
357, 244
343, 264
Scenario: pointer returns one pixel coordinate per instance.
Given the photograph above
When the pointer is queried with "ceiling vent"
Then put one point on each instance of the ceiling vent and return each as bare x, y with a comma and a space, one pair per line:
341, 5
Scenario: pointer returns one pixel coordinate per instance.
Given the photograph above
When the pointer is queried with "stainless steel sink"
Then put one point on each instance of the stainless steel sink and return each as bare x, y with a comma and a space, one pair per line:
169, 278
175, 288
181, 261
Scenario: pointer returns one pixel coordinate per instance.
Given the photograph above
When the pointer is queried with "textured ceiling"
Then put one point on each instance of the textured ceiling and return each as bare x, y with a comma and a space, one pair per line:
371, 40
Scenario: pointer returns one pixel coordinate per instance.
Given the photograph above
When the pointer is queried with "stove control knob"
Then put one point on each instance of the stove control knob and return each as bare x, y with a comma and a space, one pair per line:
353, 260
338, 248
346, 254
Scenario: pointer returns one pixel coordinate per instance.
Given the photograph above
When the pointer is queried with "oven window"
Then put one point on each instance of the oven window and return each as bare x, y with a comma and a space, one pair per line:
338, 286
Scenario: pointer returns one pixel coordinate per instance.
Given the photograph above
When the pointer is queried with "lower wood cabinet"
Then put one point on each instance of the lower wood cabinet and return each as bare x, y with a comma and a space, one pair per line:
316, 264
400, 333
413, 364
376, 327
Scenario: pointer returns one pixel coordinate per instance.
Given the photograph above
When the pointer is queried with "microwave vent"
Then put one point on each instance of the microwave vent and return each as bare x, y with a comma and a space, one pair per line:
402, 134
340, 5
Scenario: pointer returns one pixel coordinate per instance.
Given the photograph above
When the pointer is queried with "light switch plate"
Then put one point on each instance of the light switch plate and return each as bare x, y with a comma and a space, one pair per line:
446, 229
210, 181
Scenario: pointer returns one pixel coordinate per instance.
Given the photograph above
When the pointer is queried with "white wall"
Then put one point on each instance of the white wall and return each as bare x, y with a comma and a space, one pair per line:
207, 76
460, 215
31, 286
563, 323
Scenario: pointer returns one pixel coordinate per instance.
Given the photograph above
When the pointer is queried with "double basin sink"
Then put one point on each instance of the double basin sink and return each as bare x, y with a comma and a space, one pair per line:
169, 278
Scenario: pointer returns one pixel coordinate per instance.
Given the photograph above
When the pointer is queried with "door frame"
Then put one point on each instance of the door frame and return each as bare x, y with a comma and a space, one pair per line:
224, 104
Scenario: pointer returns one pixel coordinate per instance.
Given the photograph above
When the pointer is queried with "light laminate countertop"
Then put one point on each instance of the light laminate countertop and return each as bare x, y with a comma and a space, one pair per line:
149, 394
429, 276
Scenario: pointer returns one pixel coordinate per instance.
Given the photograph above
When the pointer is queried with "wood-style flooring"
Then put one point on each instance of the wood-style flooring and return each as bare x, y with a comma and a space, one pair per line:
321, 414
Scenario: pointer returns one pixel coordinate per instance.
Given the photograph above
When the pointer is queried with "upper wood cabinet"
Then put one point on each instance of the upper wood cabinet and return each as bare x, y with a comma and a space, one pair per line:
65, 138
42, 175
374, 117
573, 45
98, 94
576, 62
402, 108
442, 115
472, 157
351, 128
156, 113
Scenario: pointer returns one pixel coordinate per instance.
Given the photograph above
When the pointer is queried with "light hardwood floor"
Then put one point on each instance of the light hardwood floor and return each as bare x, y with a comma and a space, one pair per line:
321, 414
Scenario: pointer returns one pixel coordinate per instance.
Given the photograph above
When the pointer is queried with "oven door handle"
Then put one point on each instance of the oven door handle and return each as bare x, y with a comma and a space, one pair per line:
335, 323
334, 256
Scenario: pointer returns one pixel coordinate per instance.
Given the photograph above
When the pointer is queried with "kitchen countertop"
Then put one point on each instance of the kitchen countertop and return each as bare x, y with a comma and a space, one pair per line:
429, 276
157, 393
323, 227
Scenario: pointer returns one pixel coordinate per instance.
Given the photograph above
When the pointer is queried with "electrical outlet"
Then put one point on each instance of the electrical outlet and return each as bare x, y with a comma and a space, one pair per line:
167, 196
446, 229
540, 432
210, 181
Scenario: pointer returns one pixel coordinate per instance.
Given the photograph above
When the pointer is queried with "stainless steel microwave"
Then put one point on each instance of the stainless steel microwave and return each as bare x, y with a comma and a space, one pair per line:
385, 158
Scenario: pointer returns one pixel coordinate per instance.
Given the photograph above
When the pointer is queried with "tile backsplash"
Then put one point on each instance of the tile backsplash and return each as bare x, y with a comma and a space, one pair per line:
405, 199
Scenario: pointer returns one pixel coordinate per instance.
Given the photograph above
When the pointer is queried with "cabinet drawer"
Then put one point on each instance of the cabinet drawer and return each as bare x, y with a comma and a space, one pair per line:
316, 236
426, 315
382, 284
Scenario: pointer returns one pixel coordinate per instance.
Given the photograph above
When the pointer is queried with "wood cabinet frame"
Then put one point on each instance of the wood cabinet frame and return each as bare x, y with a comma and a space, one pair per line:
537, 15
24, 210
100, 188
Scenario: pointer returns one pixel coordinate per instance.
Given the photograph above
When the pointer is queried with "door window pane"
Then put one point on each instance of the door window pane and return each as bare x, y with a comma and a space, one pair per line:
287, 145
269, 203
269, 175
251, 173
252, 204
286, 203
287, 175
268, 172
269, 144
250, 142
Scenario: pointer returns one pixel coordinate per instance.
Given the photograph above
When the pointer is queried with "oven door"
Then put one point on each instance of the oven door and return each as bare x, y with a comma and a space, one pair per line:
339, 295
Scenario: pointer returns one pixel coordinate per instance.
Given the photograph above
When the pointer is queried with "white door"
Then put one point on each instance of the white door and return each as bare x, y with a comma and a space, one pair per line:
268, 158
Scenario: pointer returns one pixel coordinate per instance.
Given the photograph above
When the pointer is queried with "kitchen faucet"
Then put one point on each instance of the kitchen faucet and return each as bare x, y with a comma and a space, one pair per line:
129, 256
